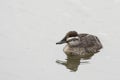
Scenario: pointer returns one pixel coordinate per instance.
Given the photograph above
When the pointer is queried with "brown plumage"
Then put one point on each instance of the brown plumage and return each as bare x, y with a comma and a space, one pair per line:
80, 44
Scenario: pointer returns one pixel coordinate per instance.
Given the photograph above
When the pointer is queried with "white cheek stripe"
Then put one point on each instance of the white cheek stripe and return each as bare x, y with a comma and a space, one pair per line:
72, 38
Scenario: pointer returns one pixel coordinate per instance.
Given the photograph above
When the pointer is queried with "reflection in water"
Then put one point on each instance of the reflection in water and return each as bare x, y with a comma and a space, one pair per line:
73, 61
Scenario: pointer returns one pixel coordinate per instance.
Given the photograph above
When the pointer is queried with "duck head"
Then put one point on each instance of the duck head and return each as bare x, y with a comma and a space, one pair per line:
71, 38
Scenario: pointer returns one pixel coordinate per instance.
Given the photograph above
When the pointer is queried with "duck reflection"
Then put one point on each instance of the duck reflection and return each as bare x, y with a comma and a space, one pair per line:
73, 61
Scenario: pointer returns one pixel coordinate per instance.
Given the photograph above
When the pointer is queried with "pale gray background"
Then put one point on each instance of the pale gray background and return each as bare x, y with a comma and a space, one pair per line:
29, 30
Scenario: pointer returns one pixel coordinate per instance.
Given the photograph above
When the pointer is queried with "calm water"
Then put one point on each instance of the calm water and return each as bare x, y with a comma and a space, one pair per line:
29, 30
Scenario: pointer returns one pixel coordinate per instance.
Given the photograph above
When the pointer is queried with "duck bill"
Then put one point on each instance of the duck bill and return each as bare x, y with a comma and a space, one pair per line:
61, 42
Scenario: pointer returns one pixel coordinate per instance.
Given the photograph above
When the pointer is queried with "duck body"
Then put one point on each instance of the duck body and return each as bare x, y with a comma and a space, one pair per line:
82, 45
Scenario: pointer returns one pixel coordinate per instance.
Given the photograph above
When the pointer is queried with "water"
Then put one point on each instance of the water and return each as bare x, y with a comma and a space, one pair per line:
29, 30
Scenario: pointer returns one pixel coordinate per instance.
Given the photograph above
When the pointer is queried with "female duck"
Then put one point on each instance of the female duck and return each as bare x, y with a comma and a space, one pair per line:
80, 44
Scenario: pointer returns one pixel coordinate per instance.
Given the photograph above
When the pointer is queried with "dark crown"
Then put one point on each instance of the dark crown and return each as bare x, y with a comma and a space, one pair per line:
71, 34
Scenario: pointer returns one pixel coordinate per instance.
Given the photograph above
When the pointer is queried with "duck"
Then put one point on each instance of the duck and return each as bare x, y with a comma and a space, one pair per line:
82, 45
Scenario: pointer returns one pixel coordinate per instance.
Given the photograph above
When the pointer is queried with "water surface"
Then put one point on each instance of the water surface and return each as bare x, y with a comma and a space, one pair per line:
29, 30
